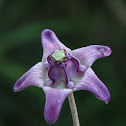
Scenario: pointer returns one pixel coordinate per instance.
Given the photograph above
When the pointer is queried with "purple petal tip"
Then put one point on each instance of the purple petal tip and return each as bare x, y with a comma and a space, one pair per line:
18, 85
108, 99
15, 89
50, 121
105, 50
47, 33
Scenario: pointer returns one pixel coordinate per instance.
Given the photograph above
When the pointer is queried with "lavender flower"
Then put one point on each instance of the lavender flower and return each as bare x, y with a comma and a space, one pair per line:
62, 72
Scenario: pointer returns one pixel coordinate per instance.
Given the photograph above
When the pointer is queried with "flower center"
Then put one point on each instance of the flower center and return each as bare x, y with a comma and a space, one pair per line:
62, 67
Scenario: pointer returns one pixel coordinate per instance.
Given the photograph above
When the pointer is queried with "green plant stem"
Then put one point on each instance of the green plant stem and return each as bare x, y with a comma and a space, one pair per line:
73, 110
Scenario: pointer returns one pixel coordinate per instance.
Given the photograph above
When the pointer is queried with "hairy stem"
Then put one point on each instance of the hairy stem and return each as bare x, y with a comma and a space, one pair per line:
73, 110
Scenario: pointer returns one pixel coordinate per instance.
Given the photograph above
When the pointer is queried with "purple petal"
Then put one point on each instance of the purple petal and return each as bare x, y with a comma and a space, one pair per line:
33, 77
50, 43
87, 55
54, 100
92, 83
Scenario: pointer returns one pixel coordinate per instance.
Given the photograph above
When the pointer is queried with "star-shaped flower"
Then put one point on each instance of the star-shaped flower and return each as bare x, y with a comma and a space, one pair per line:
62, 72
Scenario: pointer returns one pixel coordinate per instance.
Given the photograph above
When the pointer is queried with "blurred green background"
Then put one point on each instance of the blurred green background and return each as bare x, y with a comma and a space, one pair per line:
77, 23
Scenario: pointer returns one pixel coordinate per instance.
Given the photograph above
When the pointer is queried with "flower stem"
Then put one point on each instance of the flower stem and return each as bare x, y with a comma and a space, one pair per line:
73, 110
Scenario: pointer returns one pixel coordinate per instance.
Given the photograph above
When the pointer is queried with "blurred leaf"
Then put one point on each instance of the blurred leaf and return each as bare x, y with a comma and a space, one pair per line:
1, 3
11, 70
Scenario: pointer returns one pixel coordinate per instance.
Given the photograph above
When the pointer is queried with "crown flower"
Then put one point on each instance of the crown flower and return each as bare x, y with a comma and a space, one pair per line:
63, 71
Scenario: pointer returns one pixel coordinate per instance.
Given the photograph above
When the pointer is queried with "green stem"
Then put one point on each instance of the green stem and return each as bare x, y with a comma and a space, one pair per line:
73, 110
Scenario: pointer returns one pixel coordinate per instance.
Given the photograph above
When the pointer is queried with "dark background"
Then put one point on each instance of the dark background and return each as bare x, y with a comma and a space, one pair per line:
77, 23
